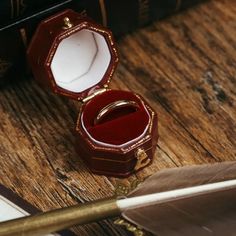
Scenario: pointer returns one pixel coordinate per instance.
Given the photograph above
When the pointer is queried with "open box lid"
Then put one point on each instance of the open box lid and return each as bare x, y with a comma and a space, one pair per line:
72, 55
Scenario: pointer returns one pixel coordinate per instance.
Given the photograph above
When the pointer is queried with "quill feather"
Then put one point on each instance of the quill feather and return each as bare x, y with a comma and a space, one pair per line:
210, 214
206, 206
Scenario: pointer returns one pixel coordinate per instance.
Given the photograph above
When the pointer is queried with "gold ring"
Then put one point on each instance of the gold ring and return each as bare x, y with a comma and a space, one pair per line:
113, 106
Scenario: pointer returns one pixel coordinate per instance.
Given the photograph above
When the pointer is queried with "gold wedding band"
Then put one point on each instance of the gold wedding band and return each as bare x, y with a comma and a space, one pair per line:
113, 106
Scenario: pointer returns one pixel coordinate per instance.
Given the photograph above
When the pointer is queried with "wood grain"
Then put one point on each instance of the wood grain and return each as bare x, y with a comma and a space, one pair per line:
184, 66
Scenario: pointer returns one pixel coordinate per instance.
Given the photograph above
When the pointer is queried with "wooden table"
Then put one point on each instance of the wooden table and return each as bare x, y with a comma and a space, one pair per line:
184, 66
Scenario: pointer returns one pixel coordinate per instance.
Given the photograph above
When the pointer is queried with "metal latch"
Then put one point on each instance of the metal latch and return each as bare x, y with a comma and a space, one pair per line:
142, 159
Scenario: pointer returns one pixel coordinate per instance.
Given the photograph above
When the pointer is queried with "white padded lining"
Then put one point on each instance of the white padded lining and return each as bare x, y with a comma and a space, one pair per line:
81, 61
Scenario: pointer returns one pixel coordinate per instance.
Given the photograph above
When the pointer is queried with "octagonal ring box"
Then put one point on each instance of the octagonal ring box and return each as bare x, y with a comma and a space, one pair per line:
76, 58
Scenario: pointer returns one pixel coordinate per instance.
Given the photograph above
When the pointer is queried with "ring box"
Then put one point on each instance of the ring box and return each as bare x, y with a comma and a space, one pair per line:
76, 58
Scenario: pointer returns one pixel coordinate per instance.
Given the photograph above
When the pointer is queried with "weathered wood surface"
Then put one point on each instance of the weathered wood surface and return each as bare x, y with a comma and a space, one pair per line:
184, 66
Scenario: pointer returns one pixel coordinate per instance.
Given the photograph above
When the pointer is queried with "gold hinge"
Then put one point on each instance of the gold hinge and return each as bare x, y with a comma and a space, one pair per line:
97, 92
142, 159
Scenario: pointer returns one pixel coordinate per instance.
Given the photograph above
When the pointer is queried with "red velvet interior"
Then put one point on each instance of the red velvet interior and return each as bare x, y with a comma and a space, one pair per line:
122, 125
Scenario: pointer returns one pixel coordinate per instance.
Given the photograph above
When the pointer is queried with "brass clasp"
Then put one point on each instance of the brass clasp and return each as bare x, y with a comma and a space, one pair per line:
142, 159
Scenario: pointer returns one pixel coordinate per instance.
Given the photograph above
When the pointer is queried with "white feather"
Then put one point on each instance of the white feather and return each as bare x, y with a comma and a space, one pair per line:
163, 197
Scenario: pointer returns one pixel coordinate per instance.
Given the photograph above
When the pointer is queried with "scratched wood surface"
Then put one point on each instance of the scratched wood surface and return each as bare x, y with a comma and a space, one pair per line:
185, 67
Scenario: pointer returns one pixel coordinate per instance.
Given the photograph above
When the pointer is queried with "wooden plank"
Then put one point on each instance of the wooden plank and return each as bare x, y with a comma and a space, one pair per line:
183, 66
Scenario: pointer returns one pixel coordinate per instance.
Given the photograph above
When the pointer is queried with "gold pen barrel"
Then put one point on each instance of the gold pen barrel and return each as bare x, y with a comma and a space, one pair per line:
57, 220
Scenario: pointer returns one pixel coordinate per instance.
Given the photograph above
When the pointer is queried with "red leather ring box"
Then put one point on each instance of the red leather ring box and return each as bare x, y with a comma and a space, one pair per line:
76, 58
